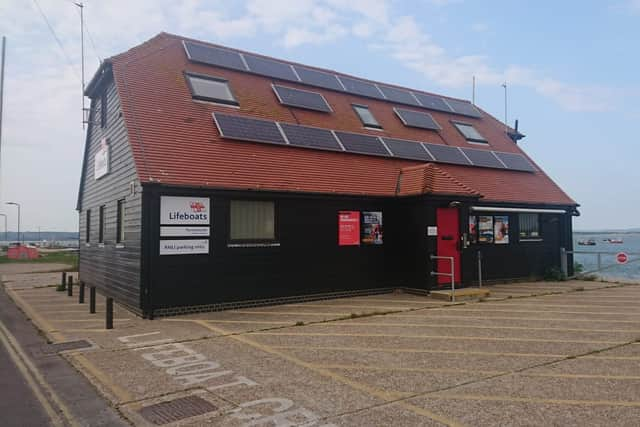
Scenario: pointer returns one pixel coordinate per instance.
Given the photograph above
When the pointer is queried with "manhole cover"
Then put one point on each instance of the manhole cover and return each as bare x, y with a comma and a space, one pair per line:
65, 346
176, 410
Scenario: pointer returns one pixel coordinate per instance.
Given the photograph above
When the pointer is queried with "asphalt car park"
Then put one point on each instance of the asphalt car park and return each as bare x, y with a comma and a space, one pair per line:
531, 354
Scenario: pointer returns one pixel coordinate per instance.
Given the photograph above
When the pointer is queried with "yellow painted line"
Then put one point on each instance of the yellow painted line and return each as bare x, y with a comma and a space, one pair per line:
535, 400
291, 313
464, 308
34, 379
121, 394
358, 306
535, 305
380, 394
611, 357
440, 325
259, 322
40, 322
89, 320
585, 376
404, 369
419, 350
535, 319
433, 337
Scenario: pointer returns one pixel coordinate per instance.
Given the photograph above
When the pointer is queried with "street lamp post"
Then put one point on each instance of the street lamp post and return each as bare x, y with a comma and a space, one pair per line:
18, 205
5, 227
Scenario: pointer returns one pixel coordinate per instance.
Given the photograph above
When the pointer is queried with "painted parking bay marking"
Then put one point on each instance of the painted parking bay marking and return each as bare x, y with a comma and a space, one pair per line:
188, 367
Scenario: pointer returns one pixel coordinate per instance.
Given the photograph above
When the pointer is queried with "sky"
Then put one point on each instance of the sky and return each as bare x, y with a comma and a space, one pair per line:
571, 70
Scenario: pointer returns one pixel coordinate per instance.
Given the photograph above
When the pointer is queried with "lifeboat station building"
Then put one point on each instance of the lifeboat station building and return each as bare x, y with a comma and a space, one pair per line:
216, 178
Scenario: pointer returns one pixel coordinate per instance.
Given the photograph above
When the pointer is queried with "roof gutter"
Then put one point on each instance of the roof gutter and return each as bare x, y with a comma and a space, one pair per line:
516, 210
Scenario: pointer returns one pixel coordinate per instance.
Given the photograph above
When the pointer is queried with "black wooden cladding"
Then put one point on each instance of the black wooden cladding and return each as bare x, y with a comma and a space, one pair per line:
281, 70
114, 270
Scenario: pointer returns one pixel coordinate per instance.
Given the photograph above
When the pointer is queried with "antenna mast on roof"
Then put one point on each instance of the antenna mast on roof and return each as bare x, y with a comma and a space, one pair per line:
473, 91
506, 126
84, 110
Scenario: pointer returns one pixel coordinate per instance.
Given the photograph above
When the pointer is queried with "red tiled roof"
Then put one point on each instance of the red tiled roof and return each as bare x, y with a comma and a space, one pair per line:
430, 179
175, 141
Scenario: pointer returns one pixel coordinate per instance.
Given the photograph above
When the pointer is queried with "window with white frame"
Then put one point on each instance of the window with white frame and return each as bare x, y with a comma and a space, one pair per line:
208, 88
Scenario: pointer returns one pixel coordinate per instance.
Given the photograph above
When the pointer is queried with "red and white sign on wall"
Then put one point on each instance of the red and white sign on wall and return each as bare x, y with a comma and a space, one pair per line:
622, 258
348, 228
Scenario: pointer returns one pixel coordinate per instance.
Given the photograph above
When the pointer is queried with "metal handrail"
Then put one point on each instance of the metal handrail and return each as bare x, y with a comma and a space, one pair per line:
452, 274
564, 253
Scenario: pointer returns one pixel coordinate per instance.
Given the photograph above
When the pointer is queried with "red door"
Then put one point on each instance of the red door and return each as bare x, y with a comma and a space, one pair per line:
448, 244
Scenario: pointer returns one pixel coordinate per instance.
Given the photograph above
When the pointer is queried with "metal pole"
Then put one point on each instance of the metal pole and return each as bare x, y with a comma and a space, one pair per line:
563, 262
453, 282
479, 269
19, 237
81, 293
6, 235
4, 47
504, 85
109, 314
81, 6
599, 261
92, 299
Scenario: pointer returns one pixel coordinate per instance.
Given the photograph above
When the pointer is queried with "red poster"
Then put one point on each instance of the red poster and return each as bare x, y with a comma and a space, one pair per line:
348, 228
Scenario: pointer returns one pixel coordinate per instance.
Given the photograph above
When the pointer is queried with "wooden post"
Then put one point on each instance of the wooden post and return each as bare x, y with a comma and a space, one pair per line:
81, 293
109, 313
70, 286
63, 283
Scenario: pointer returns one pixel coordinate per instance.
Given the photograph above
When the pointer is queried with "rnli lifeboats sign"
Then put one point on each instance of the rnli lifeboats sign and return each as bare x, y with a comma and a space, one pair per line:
184, 210
101, 160
184, 217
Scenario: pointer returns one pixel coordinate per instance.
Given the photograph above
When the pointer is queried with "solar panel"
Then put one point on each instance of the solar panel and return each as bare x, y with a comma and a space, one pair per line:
310, 137
362, 144
214, 56
246, 129
433, 102
516, 162
417, 119
301, 98
483, 158
407, 149
447, 154
464, 107
398, 95
318, 78
271, 68
360, 87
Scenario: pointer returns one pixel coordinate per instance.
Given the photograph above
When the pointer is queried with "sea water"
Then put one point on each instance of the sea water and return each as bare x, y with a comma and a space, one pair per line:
631, 246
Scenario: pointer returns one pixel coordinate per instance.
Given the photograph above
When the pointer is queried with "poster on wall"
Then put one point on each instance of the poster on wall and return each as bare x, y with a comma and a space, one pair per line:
184, 210
184, 247
485, 229
177, 231
101, 160
473, 231
348, 228
371, 228
501, 229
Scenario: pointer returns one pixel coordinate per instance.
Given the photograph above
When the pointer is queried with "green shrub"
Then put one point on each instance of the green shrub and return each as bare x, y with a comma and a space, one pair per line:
577, 268
553, 274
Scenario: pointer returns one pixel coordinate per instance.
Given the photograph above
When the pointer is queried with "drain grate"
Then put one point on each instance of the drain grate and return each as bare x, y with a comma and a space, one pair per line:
65, 346
176, 410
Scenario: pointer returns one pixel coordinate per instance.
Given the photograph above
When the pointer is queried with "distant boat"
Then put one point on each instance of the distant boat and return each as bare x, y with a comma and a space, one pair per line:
588, 242
615, 241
